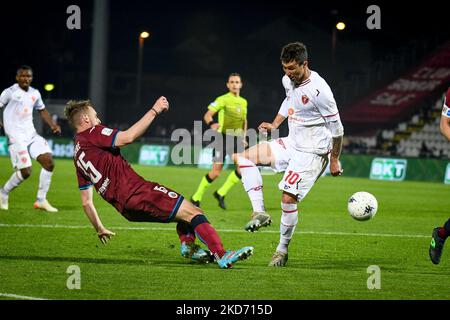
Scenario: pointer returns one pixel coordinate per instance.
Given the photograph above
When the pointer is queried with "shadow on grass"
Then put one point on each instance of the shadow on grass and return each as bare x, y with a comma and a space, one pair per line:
131, 262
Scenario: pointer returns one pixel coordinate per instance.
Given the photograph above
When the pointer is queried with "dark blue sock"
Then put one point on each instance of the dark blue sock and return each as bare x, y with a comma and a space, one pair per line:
447, 228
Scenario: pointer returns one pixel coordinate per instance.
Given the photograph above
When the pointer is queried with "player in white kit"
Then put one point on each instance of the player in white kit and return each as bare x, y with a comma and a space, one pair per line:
314, 140
18, 102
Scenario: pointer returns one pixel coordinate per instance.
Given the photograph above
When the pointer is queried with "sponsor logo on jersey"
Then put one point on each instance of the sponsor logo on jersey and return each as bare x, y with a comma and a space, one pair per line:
104, 186
107, 131
305, 99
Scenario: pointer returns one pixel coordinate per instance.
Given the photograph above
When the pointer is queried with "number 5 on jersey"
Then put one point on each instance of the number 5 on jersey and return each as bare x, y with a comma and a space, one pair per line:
88, 169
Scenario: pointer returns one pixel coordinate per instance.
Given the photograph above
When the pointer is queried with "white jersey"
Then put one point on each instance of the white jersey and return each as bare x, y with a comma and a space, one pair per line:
309, 107
18, 114
446, 107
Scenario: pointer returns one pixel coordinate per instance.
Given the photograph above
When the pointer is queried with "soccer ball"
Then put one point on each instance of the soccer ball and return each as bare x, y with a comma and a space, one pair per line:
362, 206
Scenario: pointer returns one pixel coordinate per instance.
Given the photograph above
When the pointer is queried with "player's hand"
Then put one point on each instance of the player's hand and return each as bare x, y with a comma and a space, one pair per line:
104, 235
56, 129
335, 168
265, 126
215, 126
161, 105
245, 143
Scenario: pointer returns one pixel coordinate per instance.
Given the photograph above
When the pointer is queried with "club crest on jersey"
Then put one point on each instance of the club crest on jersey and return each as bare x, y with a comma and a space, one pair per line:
291, 111
305, 99
33, 98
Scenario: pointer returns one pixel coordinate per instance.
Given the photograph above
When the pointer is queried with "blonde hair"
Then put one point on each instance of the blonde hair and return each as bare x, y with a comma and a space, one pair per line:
74, 108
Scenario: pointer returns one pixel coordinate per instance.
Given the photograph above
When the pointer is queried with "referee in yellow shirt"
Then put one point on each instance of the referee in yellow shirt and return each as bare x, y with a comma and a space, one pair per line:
232, 120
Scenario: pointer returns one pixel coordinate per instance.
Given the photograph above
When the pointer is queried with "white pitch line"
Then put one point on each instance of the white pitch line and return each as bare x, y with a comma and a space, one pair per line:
15, 296
331, 233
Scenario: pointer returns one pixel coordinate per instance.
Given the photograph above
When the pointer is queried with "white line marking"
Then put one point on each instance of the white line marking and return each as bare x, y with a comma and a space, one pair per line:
15, 296
332, 233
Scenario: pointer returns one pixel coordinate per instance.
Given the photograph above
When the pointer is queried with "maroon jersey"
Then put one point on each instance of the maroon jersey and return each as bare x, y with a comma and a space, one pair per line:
99, 163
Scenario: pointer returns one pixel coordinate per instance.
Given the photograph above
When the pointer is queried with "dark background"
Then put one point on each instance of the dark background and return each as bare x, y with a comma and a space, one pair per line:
195, 45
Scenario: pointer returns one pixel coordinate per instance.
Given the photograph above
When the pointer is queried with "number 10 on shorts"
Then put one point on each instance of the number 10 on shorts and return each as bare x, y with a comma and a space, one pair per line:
292, 178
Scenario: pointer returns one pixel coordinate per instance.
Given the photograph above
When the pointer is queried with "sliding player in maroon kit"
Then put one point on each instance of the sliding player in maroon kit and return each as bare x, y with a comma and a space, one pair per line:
99, 163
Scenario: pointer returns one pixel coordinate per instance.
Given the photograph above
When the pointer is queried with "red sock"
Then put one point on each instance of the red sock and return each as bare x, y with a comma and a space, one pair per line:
442, 234
185, 233
208, 235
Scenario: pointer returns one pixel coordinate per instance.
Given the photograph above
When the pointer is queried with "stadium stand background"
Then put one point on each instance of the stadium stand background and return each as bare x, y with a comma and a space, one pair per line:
189, 61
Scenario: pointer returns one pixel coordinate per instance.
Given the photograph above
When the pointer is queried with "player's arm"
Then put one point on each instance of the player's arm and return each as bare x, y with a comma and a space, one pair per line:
266, 126
337, 132
137, 130
445, 126
89, 208
245, 128
45, 115
208, 117
328, 109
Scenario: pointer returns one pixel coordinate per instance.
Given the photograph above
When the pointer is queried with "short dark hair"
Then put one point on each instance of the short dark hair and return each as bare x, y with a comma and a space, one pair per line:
74, 108
24, 67
234, 74
294, 51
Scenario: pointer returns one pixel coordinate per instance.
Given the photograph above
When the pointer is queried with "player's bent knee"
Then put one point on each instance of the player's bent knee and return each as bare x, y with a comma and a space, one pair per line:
187, 211
214, 174
289, 198
49, 166
26, 173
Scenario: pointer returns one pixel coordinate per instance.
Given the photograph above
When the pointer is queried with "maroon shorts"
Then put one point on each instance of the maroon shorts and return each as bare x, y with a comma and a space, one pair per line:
152, 202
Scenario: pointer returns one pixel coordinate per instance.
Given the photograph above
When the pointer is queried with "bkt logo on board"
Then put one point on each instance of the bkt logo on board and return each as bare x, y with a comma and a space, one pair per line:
388, 169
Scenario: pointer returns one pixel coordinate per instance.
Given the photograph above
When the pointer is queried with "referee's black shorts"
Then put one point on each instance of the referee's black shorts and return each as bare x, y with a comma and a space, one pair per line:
231, 144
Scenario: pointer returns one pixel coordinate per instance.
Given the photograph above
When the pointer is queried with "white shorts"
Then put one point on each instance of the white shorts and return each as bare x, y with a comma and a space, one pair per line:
22, 152
301, 169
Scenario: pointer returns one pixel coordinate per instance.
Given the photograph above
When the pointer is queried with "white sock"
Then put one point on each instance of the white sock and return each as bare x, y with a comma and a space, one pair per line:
44, 184
13, 182
289, 219
253, 183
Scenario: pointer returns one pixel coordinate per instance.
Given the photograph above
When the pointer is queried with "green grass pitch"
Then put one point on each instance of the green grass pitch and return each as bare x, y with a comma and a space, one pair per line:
328, 259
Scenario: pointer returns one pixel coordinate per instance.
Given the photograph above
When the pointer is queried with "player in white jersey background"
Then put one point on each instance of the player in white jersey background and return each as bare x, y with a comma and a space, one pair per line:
440, 234
315, 138
24, 143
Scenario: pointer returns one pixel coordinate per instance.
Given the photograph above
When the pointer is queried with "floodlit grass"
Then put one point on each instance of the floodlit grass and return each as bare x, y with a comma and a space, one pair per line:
328, 259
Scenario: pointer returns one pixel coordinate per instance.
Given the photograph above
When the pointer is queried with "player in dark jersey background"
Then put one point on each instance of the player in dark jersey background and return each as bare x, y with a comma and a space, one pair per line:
99, 164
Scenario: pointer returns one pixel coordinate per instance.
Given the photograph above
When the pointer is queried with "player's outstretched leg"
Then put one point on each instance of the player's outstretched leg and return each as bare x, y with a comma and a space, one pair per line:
253, 183
45, 179
3, 200
13, 182
208, 235
189, 249
438, 238
289, 220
